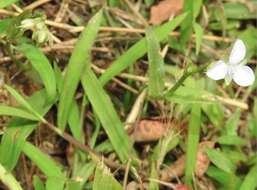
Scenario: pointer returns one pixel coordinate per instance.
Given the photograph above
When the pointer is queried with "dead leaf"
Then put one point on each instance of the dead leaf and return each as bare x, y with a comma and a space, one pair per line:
202, 162
175, 170
178, 167
164, 10
182, 187
148, 130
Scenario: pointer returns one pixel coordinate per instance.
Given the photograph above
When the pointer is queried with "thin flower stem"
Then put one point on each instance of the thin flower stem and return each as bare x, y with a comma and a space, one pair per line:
183, 78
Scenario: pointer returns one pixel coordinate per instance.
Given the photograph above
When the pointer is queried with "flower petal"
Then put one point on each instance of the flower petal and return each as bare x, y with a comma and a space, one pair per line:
238, 52
218, 70
243, 75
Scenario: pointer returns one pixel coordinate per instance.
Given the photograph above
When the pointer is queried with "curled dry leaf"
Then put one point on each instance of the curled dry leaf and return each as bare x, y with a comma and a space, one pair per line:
178, 167
164, 10
148, 130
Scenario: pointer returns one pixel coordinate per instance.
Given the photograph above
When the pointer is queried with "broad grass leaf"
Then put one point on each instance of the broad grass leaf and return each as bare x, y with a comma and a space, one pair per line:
215, 113
220, 159
250, 182
231, 140
24, 103
18, 130
227, 180
16, 112
41, 64
12, 142
5, 3
198, 36
79, 59
105, 180
192, 142
44, 162
38, 184
107, 115
138, 50
156, 65
84, 171
237, 10
232, 123
55, 183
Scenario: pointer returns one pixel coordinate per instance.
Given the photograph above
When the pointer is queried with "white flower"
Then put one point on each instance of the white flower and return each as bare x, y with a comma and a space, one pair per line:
234, 69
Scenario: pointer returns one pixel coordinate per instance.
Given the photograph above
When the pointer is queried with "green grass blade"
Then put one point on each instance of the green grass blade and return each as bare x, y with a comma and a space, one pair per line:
107, 115
80, 58
156, 64
44, 162
192, 142
41, 64
12, 142
250, 182
24, 103
38, 184
55, 183
8, 179
104, 180
16, 112
198, 36
219, 159
5, 3
138, 50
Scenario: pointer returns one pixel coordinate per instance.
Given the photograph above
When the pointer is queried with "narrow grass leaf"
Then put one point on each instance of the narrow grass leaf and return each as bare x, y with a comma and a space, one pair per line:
138, 50
85, 171
250, 182
55, 183
16, 112
38, 184
231, 140
8, 179
104, 180
228, 180
80, 58
44, 162
192, 142
5, 3
12, 142
232, 123
156, 67
41, 64
107, 115
198, 36
23, 102
219, 159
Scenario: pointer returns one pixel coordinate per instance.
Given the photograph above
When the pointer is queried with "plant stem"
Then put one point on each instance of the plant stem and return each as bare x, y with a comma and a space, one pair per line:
183, 78
8, 179
85, 148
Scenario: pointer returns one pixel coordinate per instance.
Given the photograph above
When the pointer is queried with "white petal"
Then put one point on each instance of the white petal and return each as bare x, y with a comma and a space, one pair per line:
243, 75
238, 52
218, 70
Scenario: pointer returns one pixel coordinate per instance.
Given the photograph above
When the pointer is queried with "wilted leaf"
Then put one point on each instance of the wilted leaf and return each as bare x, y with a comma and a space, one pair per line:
164, 10
148, 130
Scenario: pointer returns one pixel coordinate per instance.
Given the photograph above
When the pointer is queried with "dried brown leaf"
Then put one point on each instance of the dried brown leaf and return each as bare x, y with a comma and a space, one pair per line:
164, 10
148, 130
178, 167
182, 187
202, 162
